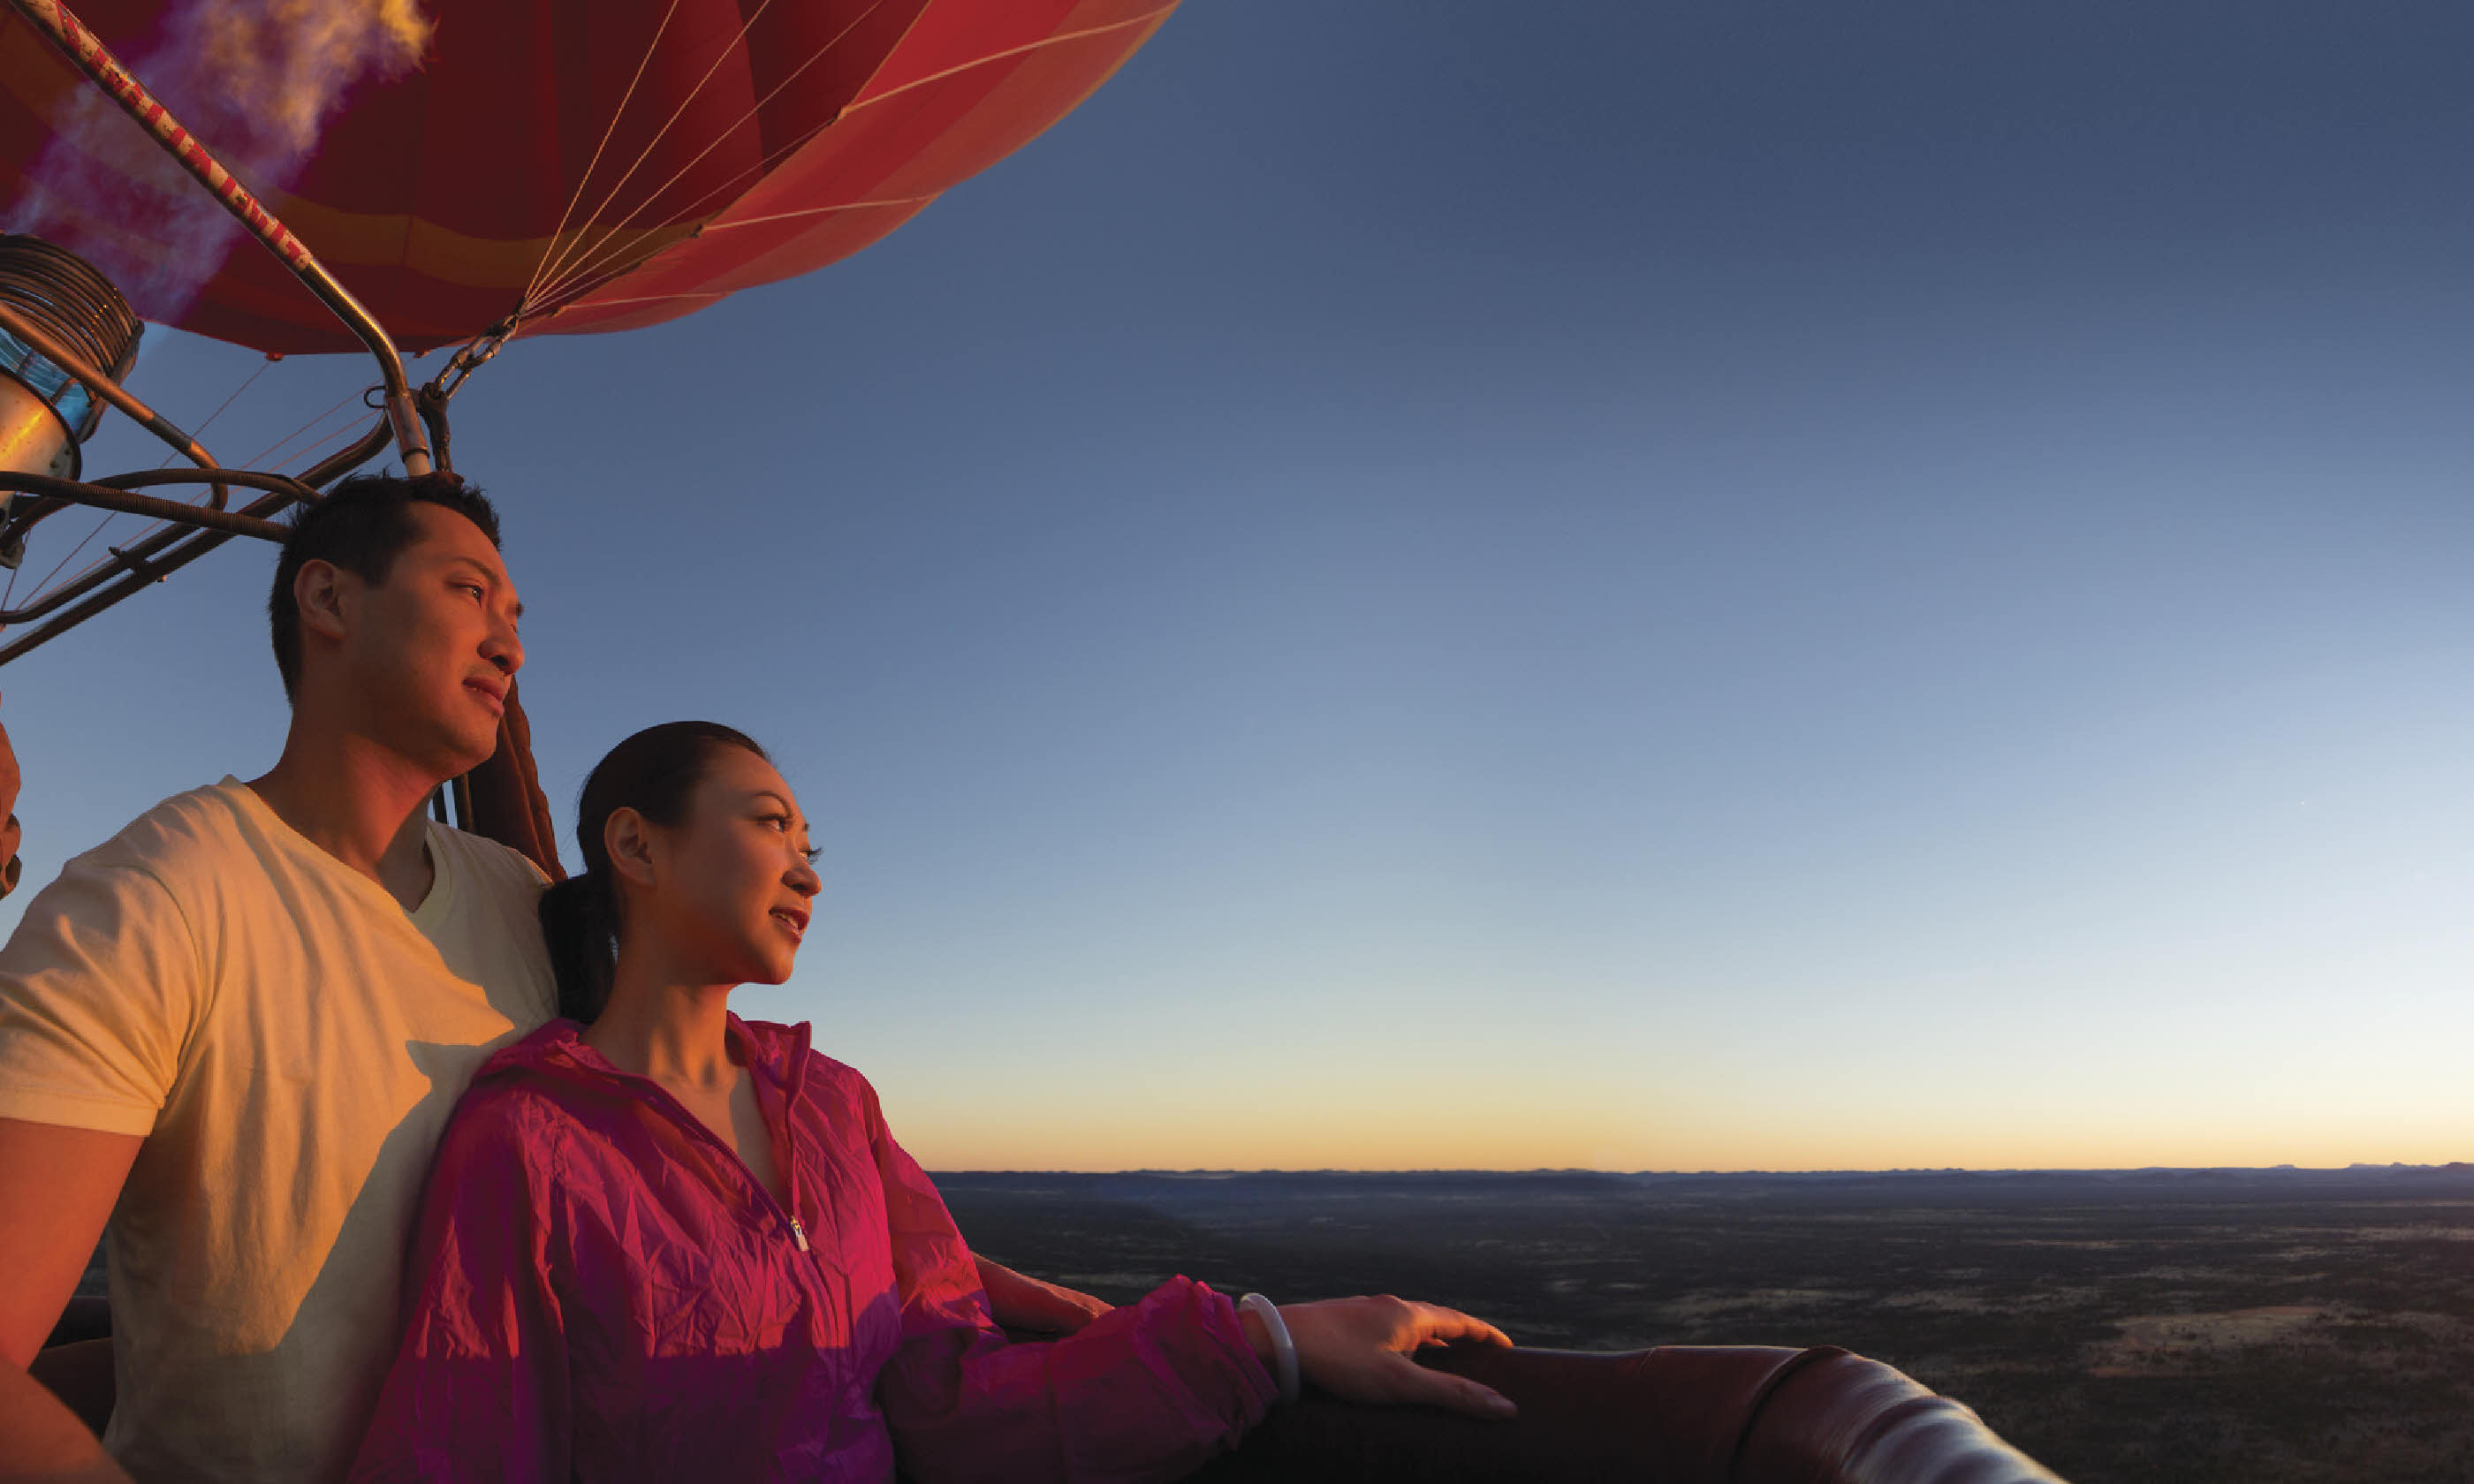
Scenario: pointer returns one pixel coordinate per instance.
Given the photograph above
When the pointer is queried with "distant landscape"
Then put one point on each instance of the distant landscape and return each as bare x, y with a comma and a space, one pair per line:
2261, 1325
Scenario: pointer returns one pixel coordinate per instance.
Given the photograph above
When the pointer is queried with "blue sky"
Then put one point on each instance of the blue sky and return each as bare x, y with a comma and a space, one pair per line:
1787, 585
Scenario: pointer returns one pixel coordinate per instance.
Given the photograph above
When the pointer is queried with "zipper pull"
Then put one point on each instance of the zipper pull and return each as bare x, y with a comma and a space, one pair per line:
799, 1234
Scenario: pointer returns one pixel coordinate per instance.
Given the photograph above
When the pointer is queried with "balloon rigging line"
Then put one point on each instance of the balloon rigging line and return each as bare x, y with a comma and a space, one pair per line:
579, 263
745, 26
583, 264
266, 454
607, 134
582, 279
1154, 18
708, 296
322, 443
334, 437
571, 284
342, 438
575, 260
93, 566
200, 430
785, 216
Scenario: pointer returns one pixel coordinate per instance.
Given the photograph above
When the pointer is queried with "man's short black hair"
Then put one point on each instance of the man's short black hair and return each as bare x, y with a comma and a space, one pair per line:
361, 526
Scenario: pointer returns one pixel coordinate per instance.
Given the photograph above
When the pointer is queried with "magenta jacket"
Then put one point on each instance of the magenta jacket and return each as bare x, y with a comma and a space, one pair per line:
601, 1291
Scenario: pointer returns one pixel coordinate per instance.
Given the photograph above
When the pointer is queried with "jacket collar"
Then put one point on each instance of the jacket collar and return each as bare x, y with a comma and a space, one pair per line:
776, 1053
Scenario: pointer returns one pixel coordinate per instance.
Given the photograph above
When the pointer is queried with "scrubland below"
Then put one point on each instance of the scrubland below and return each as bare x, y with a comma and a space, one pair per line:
2192, 1326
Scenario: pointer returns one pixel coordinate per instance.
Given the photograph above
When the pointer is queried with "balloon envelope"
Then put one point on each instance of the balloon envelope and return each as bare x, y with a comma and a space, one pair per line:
586, 164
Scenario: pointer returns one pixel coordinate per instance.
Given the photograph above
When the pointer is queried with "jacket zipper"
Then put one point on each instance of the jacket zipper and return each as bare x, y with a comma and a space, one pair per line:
654, 1092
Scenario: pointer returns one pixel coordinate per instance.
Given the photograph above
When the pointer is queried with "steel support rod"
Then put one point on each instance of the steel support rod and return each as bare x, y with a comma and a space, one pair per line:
168, 551
189, 522
24, 516
192, 545
152, 507
93, 59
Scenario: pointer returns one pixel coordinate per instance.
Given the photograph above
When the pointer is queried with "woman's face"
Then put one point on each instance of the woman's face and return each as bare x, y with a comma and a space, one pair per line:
733, 880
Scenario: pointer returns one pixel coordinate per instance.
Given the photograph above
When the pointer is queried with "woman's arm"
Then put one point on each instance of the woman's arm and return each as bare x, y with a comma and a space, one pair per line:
478, 1391
1148, 1392
1023, 1303
1152, 1391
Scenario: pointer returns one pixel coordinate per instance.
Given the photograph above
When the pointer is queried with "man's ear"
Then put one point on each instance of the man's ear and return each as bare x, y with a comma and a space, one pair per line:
318, 592
628, 837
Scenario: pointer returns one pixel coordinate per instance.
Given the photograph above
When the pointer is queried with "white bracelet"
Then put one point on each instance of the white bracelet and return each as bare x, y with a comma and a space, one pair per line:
1284, 1350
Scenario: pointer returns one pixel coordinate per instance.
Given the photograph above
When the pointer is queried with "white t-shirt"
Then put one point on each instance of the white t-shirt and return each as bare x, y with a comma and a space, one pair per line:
289, 1041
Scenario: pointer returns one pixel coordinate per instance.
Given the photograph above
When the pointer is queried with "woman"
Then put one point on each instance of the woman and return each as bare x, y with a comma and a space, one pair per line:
660, 1243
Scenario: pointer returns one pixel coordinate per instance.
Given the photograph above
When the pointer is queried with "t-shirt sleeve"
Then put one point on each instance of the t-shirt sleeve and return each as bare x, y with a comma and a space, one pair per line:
1147, 1392
491, 936
101, 988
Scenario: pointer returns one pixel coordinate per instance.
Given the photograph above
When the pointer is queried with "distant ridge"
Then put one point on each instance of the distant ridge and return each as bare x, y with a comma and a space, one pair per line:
1170, 1190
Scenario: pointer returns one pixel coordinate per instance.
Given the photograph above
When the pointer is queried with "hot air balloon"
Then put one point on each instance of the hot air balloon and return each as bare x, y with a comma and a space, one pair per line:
470, 174
339, 174
565, 167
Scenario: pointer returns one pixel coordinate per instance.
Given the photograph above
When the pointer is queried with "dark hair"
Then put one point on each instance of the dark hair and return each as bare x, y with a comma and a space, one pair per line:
361, 526
652, 773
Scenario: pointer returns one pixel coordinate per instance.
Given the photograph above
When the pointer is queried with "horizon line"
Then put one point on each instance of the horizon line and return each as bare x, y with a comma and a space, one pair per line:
2355, 1167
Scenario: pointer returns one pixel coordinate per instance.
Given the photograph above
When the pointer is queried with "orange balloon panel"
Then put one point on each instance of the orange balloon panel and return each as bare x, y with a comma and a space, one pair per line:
585, 164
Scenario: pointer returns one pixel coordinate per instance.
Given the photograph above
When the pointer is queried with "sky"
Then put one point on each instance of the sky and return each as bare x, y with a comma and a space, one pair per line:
1425, 583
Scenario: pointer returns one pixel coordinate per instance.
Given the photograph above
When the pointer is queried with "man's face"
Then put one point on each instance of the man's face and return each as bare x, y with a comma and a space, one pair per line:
429, 652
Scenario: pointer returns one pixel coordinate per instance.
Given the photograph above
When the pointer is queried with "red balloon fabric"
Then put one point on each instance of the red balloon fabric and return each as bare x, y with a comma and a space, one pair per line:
579, 165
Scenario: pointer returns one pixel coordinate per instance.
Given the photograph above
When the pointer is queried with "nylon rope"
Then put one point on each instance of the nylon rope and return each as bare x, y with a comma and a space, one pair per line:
571, 286
727, 51
891, 92
45, 584
342, 438
268, 453
1152, 19
590, 262
584, 277
608, 132
200, 430
790, 216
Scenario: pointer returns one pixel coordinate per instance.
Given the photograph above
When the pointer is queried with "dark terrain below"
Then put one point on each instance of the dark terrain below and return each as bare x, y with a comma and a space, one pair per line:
2263, 1325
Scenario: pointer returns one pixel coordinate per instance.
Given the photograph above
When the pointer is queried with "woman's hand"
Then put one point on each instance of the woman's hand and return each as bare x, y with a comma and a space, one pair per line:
1358, 1350
1019, 1302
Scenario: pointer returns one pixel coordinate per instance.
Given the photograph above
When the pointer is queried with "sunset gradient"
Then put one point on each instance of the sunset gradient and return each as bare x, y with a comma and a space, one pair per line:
1634, 587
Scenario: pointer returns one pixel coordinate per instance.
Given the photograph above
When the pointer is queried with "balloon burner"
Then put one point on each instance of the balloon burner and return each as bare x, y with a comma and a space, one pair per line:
46, 413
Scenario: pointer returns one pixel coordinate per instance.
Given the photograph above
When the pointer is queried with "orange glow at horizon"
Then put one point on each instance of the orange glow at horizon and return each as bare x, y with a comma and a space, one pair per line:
1500, 1132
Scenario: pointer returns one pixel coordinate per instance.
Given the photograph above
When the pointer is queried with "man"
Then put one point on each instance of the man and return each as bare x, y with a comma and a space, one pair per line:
236, 1028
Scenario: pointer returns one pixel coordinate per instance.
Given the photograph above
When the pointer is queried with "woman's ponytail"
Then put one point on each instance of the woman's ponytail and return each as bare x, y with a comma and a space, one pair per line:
578, 919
